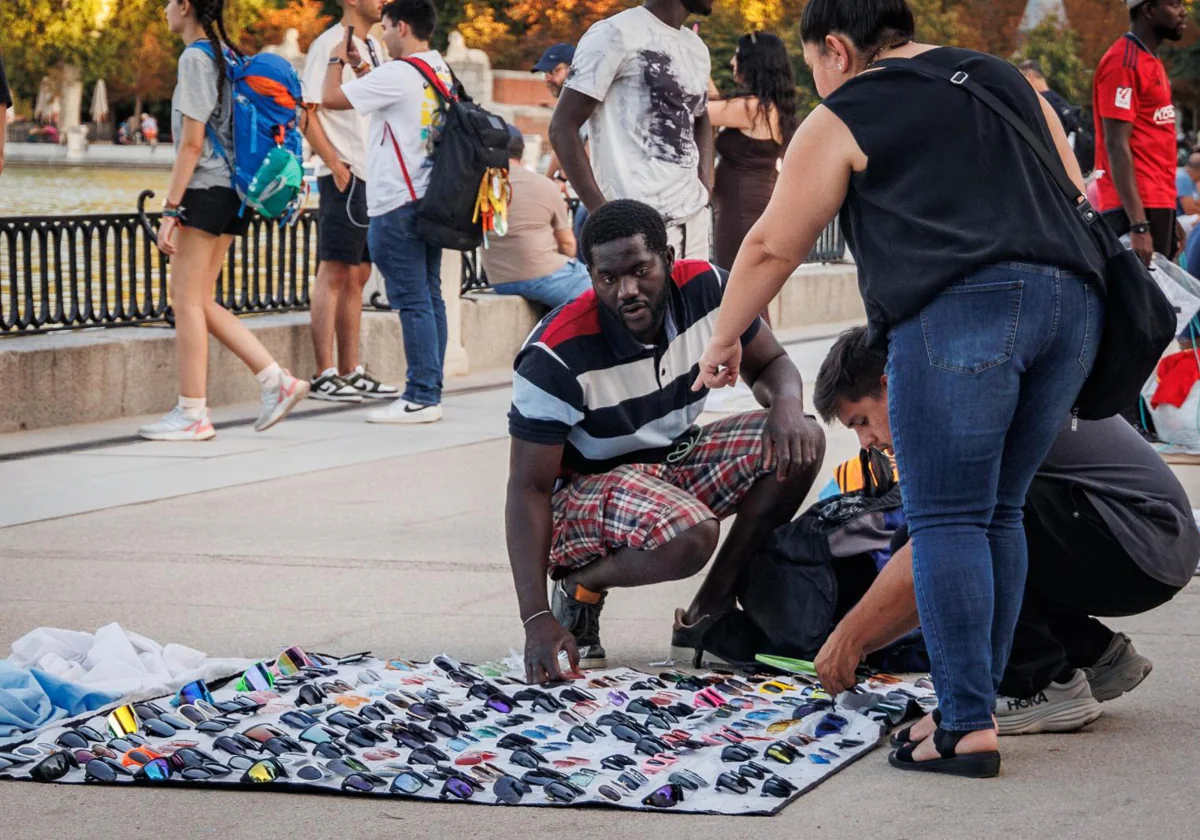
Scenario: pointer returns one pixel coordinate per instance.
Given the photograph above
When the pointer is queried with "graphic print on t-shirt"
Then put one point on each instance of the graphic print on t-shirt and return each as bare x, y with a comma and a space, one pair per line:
671, 124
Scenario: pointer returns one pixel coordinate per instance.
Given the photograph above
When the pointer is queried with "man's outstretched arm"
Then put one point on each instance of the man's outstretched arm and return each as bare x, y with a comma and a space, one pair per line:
532, 471
885, 613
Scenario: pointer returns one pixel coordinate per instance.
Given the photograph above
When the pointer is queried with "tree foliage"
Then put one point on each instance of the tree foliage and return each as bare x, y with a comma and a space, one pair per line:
1056, 48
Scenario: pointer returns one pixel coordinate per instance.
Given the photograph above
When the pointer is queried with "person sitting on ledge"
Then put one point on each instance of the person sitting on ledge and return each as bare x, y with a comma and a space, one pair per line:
1110, 533
611, 483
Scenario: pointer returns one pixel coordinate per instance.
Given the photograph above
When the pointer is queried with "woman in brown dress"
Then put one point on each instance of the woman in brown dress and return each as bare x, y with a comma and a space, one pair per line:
756, 123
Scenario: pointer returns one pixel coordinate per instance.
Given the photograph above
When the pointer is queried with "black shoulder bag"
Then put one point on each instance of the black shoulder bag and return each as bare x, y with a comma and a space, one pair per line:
1139, 321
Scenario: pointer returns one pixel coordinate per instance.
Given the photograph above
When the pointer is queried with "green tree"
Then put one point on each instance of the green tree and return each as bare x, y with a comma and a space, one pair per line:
1056, 48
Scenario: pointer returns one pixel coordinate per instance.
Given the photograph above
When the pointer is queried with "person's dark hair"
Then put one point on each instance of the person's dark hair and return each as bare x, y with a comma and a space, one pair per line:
516, 146
851, 371
869, 24
1033, 66
767, 75
210, 15
620, 219
421, 15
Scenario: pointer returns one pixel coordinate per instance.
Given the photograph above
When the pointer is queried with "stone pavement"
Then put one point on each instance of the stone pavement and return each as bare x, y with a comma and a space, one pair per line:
340, 536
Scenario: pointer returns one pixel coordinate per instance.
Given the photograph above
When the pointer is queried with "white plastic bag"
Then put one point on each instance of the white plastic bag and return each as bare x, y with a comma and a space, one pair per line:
1181, 288
1176, 426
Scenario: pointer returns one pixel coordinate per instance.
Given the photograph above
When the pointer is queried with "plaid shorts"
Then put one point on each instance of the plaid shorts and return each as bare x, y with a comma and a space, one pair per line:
645, 506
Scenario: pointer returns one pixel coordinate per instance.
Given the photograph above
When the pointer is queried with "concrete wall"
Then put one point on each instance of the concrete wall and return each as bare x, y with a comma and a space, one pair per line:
49, 154
93, 375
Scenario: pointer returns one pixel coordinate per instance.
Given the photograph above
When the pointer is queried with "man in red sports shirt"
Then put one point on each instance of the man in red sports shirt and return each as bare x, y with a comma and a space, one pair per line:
1135, 129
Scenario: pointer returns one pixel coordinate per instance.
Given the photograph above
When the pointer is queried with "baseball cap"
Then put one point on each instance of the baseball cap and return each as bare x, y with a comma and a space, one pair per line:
1133, 4
554, 56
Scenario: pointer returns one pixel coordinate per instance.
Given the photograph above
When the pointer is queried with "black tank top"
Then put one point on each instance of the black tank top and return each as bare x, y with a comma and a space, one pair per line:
949, 187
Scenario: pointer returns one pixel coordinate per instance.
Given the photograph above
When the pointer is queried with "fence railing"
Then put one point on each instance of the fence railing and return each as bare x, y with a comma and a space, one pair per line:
831, 247
105, 270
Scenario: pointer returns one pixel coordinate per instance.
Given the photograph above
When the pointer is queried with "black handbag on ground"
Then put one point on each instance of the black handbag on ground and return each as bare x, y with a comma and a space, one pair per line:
1139, 321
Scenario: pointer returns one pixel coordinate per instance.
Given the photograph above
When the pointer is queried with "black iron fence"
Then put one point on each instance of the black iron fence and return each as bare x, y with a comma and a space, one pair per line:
105, 270
831, 247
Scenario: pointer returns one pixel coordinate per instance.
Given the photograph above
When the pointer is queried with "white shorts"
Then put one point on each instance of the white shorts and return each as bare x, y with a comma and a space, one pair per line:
692, 237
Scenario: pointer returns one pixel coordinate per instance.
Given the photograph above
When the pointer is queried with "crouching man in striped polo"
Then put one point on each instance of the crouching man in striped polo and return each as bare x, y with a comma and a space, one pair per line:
611, 483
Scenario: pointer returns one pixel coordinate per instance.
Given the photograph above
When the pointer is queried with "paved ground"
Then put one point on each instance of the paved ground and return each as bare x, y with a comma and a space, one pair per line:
342, 536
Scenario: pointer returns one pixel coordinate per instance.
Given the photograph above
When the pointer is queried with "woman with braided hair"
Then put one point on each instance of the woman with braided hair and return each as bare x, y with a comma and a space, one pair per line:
201, 216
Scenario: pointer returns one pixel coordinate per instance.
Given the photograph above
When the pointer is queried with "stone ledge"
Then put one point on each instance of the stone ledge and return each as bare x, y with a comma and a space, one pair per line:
89, 376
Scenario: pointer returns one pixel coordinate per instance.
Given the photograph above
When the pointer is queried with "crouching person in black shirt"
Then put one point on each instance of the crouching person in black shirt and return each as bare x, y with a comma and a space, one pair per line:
1110, 533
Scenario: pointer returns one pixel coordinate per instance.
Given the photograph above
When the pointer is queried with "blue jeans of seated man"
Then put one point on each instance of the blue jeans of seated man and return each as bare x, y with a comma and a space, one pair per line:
553, 290
979, 384
412, 273
581, 217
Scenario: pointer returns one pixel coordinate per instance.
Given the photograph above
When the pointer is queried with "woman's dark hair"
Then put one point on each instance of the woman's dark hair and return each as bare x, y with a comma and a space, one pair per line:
421, 15
869, 24
620, 219
210, 15
851, 371
767, 75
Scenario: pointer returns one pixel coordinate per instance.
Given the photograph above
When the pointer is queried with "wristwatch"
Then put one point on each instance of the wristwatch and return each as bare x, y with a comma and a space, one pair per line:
1140, 227
335, 60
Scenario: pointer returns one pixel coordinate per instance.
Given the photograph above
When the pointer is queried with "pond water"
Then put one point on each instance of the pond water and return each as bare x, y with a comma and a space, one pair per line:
69, 190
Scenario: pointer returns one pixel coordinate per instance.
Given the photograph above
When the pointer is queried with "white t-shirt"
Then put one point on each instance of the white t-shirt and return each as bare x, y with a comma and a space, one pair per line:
402, 105
651, 80
346, 130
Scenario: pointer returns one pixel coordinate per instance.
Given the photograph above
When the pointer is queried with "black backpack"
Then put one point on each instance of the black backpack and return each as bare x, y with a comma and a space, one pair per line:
473, 141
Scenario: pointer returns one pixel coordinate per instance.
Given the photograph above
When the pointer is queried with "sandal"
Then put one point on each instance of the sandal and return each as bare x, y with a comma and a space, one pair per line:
982, 765
904, 736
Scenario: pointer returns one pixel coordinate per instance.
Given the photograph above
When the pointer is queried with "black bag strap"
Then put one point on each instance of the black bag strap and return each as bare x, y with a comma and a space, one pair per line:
1050, 160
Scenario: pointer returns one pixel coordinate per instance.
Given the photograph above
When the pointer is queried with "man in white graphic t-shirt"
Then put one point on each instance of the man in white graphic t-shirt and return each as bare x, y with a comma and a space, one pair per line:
405, 113
339, 139
640, 81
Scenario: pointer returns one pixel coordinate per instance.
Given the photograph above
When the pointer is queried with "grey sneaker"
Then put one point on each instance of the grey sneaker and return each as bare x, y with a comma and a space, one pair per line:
1119, 670
1060, 707
583, 620
278, 402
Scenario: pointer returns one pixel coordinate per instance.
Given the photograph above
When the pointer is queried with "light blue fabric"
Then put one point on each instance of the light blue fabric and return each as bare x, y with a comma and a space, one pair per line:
30, 699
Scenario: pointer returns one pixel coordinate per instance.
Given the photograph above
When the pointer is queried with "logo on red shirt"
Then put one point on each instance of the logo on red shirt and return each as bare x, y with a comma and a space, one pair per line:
1124, 98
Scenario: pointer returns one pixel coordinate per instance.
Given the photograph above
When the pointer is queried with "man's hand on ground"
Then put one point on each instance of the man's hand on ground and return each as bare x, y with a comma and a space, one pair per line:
1143, 246
837, 661
791, 441
544, 638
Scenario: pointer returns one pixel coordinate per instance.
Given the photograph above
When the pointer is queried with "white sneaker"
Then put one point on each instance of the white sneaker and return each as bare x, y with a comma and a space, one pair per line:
279, 402
403, 411
176, 425
1060, 707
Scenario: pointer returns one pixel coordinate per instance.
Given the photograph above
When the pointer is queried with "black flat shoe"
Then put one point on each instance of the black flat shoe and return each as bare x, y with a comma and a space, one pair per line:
983, 765
904, 736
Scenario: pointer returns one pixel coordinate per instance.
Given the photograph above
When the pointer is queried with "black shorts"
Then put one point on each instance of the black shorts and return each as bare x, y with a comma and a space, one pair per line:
1162, 227
215, 210
342, 222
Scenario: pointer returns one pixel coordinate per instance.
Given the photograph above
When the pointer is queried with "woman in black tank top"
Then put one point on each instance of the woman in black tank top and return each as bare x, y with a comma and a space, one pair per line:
979, 280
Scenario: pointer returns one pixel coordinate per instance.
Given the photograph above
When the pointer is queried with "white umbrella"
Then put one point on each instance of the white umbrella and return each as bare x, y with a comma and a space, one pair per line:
100, 103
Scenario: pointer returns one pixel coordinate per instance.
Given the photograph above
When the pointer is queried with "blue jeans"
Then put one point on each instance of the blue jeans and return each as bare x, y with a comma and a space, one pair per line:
412, 275
979, 384
553, 290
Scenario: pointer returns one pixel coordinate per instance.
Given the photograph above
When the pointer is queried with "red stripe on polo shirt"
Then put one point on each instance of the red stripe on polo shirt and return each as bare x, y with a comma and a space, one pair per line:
579, 317
687, 270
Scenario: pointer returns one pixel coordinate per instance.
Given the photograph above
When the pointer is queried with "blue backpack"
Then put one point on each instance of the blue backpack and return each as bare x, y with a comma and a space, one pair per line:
267, 145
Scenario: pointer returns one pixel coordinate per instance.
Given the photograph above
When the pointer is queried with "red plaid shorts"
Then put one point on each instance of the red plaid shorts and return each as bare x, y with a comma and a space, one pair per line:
645, 506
